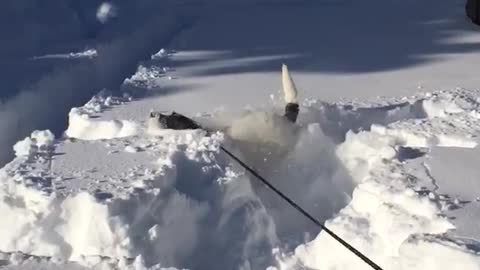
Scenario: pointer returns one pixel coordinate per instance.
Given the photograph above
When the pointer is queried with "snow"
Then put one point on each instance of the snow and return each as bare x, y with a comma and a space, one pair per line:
90, 54
386, 216
456, 177
75, 223
105, 12
39, 94
384, 151
149, 78
458, 131
38, 141
82, 124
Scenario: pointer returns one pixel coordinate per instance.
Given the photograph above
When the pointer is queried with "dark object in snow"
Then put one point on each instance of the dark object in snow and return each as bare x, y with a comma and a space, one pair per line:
291, 111
473, 11
174, 121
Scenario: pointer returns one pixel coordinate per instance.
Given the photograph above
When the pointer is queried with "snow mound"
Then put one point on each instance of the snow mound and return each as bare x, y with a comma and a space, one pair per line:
150, 76
160, 199
39, 141
164, 201
82, 124
161, 54
146, 77
53, 217
392, 218
450, 122
91, 53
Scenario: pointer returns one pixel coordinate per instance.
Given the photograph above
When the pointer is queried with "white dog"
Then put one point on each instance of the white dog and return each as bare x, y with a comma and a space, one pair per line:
178, 122
265, 138
262, 137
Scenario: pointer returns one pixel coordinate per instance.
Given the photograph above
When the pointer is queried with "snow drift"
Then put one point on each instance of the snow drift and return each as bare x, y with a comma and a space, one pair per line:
189, 195
163, 203
82, 124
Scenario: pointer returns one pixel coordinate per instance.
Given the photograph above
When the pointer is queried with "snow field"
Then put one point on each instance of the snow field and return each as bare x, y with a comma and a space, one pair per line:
114, 194
52, 83
151, 199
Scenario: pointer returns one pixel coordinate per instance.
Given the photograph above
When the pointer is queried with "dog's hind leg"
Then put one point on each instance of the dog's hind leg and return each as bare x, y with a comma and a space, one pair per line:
290, 92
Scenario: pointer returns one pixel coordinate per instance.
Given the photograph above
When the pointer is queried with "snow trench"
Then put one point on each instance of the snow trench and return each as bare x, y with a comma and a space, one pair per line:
44, 103
173, 199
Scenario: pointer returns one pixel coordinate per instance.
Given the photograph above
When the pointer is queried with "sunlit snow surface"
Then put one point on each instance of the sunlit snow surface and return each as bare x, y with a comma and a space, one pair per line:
90, 54
112, 193
395, 176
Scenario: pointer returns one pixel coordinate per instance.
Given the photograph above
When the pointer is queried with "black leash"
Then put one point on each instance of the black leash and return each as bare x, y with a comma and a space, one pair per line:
301, 210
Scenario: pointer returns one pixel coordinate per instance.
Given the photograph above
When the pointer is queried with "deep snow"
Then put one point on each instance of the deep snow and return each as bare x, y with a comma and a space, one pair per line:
384, 47
59, 55
395, 176
103, 198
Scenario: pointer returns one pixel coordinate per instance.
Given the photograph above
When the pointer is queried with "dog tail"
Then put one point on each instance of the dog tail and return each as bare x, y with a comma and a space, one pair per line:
290, 91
